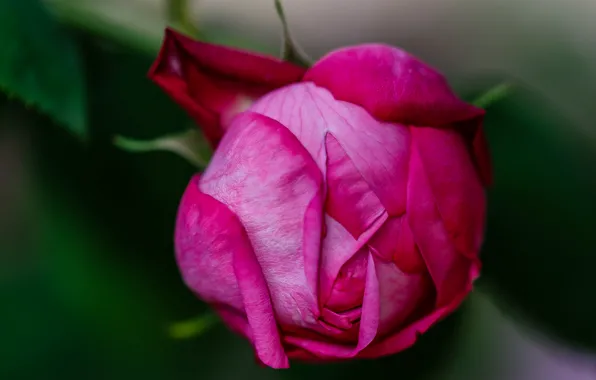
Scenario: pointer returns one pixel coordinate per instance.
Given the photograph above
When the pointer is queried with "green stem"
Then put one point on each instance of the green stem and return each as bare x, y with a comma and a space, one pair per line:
290, 50
179, 16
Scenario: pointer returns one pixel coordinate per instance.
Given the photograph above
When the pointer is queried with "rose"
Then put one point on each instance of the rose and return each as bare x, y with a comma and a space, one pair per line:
343, 210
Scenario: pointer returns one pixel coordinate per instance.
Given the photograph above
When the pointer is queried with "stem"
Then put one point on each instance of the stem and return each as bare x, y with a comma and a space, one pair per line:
179, 15
290, 50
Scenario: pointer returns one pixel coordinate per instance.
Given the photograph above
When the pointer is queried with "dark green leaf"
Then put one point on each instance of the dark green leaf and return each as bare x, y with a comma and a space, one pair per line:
40, 64
539, 253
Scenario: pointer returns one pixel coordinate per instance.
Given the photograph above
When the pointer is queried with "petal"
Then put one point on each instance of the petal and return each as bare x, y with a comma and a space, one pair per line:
263, 174
379, 151
395, 242
400, 294
348, 288
217, 261
482, 158
406, 337
369, 324
205, 240
447, 267
345, 186
390, 84
339, 246
454, 184
214, 83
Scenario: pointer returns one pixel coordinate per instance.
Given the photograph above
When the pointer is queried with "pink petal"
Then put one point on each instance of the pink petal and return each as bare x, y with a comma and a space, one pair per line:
214, 83
395, 242
263, 174
206, 258
379, 151
447, 267
339, 246
400, 294
345, 186
454, 184
482, 157
390, 84
217, 262
348, 288
406, 337
369, 324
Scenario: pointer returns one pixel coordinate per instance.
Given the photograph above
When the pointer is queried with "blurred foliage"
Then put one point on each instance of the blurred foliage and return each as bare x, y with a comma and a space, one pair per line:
539, 252
35, 60
90, 286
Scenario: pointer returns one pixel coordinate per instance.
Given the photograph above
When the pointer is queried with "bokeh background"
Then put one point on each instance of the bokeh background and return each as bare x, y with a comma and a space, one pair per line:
88, 284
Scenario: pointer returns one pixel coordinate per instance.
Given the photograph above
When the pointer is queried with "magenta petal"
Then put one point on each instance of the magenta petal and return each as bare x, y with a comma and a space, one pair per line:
395, 242
217, 261
214, 83
400, 293
369, 324
259, 311
447, 266
345, 186
312, 240
339, 247
379, 151
207, 235
406, 337
263, 174
455, 185
348, 288
482, 157
391, 84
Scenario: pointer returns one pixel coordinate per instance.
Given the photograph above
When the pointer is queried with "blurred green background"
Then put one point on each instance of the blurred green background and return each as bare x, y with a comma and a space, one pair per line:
88, 283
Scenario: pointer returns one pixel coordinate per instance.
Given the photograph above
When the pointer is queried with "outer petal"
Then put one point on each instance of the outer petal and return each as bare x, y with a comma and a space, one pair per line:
214, 83
391, 84
482, 156
400, 294
448, 268
217, 261
456, 189
379, 151
406, 337
263, 174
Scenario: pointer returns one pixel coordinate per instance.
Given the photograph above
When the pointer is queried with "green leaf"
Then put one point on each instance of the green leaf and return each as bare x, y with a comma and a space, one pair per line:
40, 64
539, 252
291, 51
188, 145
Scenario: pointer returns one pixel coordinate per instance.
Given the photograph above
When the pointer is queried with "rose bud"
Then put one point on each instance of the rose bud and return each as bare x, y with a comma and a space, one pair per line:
343, 210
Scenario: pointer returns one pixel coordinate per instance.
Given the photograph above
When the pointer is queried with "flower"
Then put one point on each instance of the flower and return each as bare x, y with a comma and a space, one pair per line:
343, 210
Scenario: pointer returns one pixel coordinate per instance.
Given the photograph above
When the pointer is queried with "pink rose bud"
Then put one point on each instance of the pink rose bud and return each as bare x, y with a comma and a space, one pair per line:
343, 210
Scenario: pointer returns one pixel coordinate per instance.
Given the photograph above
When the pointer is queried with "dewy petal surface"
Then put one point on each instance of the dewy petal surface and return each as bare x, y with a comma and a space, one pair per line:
218, 263
390, 84
214, 83
265, 176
